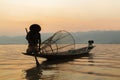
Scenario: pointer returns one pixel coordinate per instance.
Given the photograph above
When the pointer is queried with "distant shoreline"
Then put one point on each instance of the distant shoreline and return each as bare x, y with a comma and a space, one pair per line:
99, 37
76, 43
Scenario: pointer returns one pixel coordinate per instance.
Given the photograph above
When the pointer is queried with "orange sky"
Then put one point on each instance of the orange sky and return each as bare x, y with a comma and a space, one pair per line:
54, 15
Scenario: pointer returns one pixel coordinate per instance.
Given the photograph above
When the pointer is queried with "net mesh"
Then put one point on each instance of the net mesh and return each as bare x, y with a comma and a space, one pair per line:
61, 41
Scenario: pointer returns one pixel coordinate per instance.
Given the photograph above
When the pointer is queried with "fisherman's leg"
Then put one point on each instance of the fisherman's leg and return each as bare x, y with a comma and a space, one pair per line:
36, 50
29, 50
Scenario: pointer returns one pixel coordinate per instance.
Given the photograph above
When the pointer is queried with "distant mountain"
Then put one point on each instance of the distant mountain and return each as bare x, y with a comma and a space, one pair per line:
12, 40
20, 39
100, 37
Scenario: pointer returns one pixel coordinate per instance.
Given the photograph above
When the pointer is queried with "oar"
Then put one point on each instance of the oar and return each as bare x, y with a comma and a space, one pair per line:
37, 62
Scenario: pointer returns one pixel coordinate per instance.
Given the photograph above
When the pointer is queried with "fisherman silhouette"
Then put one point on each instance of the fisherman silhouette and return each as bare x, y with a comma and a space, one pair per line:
34, 39
90, 44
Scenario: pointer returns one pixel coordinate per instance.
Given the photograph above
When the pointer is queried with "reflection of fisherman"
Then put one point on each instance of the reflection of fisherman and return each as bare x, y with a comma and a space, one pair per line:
33, 37
90, 43
34, 73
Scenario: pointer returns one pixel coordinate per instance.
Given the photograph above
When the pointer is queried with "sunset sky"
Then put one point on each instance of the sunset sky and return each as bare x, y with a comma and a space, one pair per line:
55, 15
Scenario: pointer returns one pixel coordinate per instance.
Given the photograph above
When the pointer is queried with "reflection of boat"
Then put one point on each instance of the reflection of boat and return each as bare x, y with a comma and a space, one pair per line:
61, 46
41, 72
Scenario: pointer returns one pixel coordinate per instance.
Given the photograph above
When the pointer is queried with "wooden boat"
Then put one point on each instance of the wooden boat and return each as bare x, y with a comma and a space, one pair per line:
65, 55
62, 46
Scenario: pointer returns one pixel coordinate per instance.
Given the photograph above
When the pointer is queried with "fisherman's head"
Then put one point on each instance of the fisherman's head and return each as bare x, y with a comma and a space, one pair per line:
35, 28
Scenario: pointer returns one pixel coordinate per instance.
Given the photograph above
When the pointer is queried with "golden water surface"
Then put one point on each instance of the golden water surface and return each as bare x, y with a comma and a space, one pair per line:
102, 64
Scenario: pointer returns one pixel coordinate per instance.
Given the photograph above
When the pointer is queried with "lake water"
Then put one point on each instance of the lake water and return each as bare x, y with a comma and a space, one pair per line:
102, 64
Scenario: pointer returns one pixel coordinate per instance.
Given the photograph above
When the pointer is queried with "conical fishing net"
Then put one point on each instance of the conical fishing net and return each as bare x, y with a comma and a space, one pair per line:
61, 41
